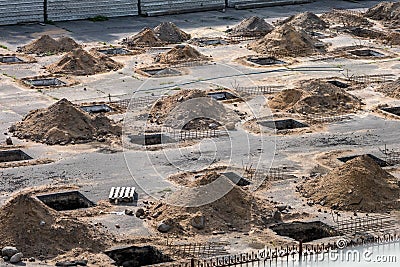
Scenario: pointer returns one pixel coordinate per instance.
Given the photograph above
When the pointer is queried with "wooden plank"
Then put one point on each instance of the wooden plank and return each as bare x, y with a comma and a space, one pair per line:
111, 195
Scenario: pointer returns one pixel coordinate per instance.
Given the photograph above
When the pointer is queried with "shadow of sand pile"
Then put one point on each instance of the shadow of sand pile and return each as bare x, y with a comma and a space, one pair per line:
387, 12
358, 185
391, 89
181, 54
47, 45
315, 97
36, 230
236, 209
286, 41
251, 27
64, 123
81, 62
168, 32
307, 21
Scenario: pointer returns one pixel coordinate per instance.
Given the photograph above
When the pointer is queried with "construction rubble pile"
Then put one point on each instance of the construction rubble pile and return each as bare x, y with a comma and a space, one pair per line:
343, 18
47, 45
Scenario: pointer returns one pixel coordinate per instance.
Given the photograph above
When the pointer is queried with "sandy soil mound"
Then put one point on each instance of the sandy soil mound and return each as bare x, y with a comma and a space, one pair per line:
285, 41
46, 44
81, 62
391, 89
35, 229
307, 21
388, 12
388, 38
360, 184
286, 99
63, 123
181, 54
145, 38
253, 26
346, 19
168, 32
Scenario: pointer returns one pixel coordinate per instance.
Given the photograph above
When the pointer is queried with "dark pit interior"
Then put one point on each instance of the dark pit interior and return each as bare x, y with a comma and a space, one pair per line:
222, 96
207, 41
393, 110
10, 59
338, 83
380, 162
286, 124
304, 231
236, 179
13, 155
45, 82
137, 256
114, 51
101, 108
366, 53
162, 72
265, 61
66, 201
150, 139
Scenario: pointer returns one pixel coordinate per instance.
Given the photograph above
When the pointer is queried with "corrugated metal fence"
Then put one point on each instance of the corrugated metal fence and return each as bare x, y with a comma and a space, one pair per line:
16, 11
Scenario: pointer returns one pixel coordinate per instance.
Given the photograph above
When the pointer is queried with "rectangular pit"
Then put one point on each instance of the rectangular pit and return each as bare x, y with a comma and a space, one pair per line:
115, 51
265, 61
13, 155
393, 110
379, 161
366, 53
286, 124
53, 82
220, 96
161, 72
10, 59
150, 139
338, 83
66, 201
93, 109
137, 256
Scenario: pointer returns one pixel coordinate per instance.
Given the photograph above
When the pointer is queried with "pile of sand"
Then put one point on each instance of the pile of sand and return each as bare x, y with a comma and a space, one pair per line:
145, 38
181, 54
253, 26
36, 230
63, 123
389, 12
314, 97
285, 41
168, 32
45, 45
81, 62
360, 184
345, 18
391, 89
307, 21
388, 38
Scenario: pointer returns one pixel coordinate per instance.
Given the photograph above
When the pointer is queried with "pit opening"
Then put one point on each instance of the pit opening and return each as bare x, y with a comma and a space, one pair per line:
115, 51
286, 124
379, 161
162, 72
208, 41
13, 155
265, 61
304, 231
366, 53
236, 178
220, 96
150, 139
10, 59
137, 256
66, 201
393, 110
101, 108
45, 82
338, 83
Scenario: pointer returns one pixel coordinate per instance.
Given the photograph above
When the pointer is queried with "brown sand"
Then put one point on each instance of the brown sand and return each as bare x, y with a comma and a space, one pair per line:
391, 89
307, 21
63, 123
168, 32
347, 19
181, 54
253, 26
145, 38
46, 44
388, 12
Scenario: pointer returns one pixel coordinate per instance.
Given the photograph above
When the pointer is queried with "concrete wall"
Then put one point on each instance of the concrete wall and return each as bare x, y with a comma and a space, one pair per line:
162, 7
15, 11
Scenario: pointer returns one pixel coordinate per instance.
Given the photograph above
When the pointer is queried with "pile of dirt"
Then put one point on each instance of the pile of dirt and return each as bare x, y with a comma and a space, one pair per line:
346, 18
64, 123
360, 184
286, 41
47, 45
181, 54
314, 97
168, 32
388, 38
36, 230
388, 12
81, 62
307, 21
145, 38
391, 89
253, 26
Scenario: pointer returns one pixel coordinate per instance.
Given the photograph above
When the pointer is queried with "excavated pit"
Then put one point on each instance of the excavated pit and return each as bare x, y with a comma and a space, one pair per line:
10, 59
366, 53
338, 84
114, 51
13, 155
393, 110
137, 256
304, 231
286, 124
220, 96
265, 61
379, 161
72, 200
53, 82
94, 109
150, 139
161, 72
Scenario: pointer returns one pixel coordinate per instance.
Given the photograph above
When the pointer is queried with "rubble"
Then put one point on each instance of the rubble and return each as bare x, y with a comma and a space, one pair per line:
391, 89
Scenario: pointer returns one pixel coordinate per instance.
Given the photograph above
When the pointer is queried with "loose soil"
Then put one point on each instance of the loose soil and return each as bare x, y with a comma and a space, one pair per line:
253, 26
145, 38
346, 19
168, 32
307, 21
181, 54
47, 45
391, 89
388, 12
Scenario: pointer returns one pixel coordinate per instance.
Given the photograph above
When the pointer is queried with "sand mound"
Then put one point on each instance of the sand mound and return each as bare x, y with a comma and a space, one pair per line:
307, 21
360, 184
387, 11
181, 54
285, 41
63, 123
286, 99
253, 26
35, 229
81, 62
391, 89
347, 19
46, 44
145, 38
168, 32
